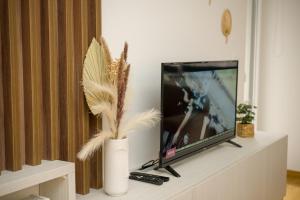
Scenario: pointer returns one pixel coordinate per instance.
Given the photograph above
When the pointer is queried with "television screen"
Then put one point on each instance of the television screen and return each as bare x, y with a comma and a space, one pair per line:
198, 107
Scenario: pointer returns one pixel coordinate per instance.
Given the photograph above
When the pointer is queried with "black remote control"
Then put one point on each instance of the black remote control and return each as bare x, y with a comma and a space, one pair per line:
164, 178
155, 181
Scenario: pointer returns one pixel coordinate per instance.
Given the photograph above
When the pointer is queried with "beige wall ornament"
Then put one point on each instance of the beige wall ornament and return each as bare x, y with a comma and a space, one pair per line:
226, 24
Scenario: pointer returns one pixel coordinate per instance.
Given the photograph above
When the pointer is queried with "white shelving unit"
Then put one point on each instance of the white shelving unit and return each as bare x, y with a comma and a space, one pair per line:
52, 179
256, 171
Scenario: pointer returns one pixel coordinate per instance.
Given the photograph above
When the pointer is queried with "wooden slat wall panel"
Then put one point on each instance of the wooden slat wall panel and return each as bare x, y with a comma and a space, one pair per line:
67, 76
12, 82
98, 19
94, 30
50, 72
44, 43
31, 38
96, 160
81, 45
2, 147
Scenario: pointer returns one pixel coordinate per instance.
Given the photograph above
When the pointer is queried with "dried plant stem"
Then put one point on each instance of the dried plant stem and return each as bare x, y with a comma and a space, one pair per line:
125, 51
148, 119
105, 83
93, 145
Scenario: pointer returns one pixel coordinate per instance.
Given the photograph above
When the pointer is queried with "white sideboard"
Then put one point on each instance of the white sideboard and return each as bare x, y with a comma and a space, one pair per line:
255, 172
52, 179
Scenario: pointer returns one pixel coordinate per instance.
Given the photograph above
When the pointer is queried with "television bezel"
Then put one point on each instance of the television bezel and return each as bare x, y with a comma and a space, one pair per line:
210, 65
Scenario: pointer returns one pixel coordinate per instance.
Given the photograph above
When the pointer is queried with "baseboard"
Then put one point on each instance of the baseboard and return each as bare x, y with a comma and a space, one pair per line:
293, 173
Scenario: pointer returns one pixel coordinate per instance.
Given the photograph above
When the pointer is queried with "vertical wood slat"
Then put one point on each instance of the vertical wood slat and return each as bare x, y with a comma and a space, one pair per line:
50, 76
81, 45
98, 19
94, 30
67, 80
66, 124
2, 147
96, 160
31, 38
12, 82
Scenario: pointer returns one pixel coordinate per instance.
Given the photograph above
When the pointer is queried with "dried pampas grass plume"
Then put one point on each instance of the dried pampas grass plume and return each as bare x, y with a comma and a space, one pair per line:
109, 112
93, 145
122, 93
96, 93
146, 119
125, 51
112, 72
104, 84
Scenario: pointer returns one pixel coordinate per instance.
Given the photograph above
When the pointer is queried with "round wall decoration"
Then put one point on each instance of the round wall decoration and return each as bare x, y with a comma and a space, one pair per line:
226, 24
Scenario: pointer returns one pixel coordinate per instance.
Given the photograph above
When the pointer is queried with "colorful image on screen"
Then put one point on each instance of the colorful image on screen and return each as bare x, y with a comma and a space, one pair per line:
198, 105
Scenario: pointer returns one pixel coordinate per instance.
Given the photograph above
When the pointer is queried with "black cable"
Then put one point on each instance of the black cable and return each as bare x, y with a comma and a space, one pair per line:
149, 164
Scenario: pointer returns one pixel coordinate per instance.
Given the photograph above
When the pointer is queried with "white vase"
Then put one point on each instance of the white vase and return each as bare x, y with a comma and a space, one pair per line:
116, 171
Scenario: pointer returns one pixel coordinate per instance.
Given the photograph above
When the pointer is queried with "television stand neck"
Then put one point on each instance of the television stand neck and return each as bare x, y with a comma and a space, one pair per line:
172, 171
234, 143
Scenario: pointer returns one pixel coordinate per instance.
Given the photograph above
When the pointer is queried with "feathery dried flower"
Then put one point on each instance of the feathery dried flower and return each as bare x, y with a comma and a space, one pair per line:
105, 84
122, 95
125, 51
106, 53
112, 72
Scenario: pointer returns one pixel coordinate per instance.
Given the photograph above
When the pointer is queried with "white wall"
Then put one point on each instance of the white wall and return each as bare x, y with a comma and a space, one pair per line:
165, 31
279, 93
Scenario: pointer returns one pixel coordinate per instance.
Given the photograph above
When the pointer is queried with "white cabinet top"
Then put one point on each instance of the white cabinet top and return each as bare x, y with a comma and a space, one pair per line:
33, 175
193, 170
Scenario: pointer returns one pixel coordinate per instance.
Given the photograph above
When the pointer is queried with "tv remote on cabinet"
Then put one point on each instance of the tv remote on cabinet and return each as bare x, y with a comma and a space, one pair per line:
152, 180
164, 178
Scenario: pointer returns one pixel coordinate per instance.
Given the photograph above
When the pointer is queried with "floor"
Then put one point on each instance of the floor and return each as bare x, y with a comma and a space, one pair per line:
293, 188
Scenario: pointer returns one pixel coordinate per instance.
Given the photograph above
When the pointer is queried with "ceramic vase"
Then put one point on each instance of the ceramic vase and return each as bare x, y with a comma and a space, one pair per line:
115, 176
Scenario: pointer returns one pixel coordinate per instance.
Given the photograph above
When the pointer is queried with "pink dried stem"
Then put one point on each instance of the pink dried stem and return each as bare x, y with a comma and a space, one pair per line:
123, 94
122, 79
125, 51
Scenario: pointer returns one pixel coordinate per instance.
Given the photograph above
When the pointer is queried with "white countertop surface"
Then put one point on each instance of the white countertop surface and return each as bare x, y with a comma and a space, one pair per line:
193, 170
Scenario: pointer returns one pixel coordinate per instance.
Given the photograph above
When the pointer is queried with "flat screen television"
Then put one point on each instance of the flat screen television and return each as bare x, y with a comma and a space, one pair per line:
198, 104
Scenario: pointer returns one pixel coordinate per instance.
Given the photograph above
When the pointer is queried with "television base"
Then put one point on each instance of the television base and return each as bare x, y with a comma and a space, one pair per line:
234, 143
169, 169
172, 171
